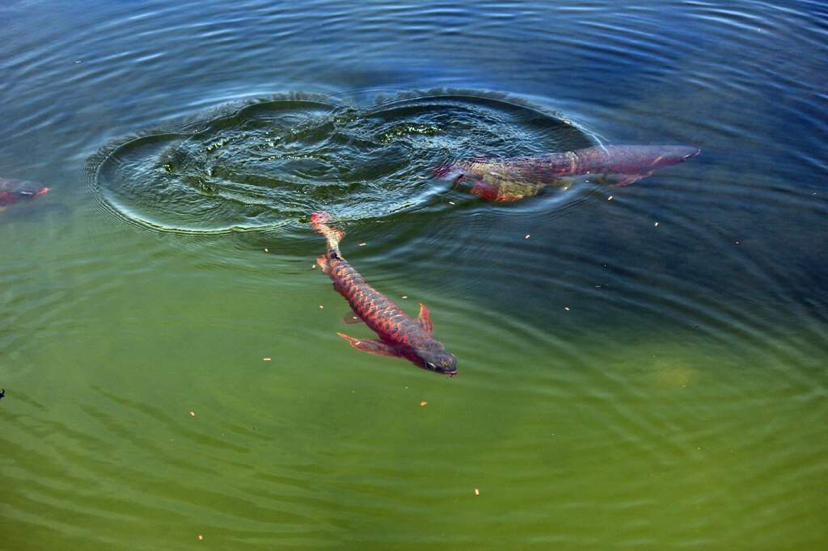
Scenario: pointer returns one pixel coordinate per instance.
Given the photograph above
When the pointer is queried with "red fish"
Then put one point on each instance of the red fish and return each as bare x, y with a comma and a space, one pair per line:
514, 179
14, 191
399, 334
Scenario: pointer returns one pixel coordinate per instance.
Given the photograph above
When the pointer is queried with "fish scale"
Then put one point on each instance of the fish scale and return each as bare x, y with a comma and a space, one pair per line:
399, 334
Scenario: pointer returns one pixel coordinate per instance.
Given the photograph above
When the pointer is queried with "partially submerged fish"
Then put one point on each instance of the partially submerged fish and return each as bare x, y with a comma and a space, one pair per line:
15, 191
399, 334
514, 179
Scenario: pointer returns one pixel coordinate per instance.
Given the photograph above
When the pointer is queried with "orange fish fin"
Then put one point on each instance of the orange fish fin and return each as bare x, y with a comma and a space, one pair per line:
323, 263
424, 319
372, 346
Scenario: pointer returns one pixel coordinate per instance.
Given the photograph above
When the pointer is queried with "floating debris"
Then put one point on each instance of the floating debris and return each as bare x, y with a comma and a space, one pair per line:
423, 403
267, 251
566, 308
609, 198
362, 244
266, 359
527, 236
404, 297
200, 537
656, 224
477, 491
321, 307
192, 414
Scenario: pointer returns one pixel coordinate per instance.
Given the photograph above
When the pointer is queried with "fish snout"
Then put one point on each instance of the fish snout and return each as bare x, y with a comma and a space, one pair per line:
447, 364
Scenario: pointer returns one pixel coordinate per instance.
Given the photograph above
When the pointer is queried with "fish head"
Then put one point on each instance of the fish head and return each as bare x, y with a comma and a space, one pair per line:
453, 172
669, 155
435, 357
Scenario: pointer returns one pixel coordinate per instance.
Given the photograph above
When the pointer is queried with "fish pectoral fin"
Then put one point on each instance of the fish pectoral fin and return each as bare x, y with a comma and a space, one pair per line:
322, 264
631, 178
351, 317
424, 319
372, 346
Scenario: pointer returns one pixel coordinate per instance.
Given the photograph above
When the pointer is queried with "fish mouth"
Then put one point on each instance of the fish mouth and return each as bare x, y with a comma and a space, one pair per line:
450, 371
694, 153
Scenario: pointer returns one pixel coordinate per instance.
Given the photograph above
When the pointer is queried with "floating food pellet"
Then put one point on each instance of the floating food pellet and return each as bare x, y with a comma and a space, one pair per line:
192, 414
423, 403
476, 492
656, 224
321, 307
267, 251
265, 359
200, 537
313, 266
405, 297
527, 236
362, 244
566, 308
609, 198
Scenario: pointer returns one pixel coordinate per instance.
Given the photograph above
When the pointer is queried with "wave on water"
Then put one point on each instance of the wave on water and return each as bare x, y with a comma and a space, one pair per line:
266, 164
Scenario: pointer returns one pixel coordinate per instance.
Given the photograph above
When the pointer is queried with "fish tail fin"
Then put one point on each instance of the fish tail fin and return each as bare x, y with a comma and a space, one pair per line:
319, 222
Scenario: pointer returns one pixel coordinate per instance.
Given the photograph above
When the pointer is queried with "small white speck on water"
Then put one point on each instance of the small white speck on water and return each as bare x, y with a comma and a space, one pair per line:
362, 244
656, 224
267, 251
321, 307
477, 491
566, 308
527, 236
737, 242
266, 359
451, 202
192, 414
609, 198
313, 266
404, 297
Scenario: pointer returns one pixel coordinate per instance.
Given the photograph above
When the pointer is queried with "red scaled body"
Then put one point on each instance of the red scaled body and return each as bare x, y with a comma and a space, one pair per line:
514, 179
14, 191
399, 334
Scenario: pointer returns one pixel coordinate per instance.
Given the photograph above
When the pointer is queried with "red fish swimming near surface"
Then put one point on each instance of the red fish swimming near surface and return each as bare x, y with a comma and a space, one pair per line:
399, 334
514, 179
16, 191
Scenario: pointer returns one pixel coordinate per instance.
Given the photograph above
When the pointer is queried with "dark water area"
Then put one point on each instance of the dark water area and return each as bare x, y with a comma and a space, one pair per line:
640, 366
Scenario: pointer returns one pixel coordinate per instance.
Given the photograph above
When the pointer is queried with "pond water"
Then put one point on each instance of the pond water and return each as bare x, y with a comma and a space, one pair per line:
639, 367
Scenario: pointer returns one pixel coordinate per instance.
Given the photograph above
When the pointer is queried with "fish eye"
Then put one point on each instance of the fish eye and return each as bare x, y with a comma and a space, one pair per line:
430, 366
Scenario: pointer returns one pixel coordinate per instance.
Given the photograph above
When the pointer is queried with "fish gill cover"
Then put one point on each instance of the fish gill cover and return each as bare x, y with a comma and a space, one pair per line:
266, 164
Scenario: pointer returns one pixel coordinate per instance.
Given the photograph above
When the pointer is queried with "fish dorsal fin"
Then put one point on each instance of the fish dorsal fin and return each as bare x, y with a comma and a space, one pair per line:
424, 319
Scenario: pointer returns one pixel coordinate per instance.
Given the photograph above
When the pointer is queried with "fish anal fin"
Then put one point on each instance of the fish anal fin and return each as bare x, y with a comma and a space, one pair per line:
424, 318
372, 346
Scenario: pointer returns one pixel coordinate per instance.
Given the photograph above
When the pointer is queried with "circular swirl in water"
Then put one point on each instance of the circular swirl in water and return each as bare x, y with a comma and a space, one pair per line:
268, 164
